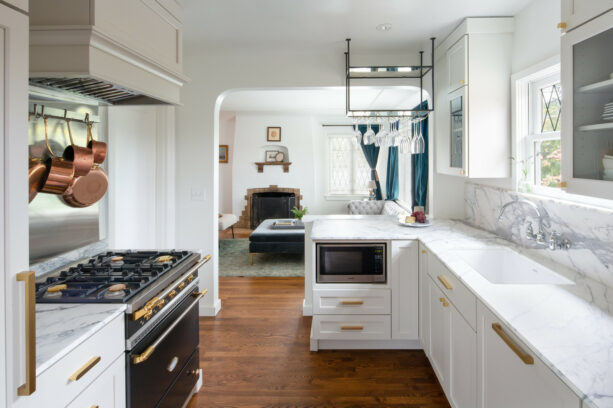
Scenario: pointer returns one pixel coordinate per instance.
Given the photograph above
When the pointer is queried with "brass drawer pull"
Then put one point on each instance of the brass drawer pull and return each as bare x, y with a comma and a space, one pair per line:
523, 356
352, 327
84, 369
423, 251
445, 282
30, 290
352, 302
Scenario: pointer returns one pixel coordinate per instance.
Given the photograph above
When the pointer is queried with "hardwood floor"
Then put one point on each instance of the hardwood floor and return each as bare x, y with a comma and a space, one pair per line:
255, 353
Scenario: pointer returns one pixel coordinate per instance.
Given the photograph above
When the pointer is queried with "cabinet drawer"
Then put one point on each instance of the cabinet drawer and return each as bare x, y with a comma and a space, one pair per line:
352, 327
107, 391
352, 301
71, 375
460, 296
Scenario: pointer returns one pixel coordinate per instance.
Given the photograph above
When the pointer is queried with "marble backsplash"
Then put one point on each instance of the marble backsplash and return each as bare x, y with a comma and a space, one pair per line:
590, 230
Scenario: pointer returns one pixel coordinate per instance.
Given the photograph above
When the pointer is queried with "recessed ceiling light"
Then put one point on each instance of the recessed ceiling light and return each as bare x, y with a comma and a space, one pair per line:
384, 27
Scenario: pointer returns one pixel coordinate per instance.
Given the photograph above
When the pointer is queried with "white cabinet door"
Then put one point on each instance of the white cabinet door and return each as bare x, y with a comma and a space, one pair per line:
439, 323
13, 198
462, 387
509, 376
577, 12
405, 290
424, 304
457, 60
107, 391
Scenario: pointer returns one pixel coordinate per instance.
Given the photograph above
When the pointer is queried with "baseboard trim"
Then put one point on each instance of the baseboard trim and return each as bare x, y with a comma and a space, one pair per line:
307, 310
210, 310
364, 345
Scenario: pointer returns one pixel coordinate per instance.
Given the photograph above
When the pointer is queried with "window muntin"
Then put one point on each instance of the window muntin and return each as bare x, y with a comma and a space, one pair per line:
348, 171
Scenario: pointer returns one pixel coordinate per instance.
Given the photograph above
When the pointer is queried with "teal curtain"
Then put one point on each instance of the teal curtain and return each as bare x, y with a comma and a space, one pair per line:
420, 164
371, 152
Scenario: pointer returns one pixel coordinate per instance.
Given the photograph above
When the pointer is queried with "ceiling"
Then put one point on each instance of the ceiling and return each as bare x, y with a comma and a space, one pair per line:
327, 101
315, 25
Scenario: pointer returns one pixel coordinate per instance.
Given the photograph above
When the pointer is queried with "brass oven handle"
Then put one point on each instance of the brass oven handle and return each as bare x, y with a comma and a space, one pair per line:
445, 282
158, 301
30, 291
144, 356
84, 369
352, 327
352, 302
523, 356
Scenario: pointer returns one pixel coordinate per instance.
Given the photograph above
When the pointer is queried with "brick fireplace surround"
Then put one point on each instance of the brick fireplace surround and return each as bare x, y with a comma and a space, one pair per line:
245, 219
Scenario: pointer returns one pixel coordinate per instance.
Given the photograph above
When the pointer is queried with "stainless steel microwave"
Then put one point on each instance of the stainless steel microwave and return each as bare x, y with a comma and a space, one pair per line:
351, 263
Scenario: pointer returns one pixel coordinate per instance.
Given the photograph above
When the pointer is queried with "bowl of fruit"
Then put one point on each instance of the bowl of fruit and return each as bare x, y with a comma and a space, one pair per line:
416, 220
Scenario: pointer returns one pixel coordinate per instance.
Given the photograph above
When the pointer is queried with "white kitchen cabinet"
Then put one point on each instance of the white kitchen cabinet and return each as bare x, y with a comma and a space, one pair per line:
405, 287
352, 301
577, 12
439, 323
14, 254
107, 391
476, 59
587, 83
457, 60
352, 327
509, 375
424, 301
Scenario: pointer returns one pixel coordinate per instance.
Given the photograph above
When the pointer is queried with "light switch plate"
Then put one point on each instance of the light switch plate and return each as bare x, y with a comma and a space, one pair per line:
197, 194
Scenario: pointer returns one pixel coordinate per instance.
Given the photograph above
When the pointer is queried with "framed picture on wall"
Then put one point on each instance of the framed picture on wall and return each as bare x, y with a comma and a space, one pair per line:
224, 151
271, 156
273, 134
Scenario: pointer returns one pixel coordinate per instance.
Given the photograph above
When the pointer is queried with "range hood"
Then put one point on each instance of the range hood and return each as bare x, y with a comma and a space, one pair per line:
114, 52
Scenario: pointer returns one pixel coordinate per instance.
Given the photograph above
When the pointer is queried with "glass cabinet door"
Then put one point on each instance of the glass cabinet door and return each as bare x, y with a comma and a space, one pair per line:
457, 132
592, 108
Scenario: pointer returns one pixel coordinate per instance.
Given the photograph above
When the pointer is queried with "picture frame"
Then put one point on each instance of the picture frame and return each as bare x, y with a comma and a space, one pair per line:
270, 156
224, 153
273, 134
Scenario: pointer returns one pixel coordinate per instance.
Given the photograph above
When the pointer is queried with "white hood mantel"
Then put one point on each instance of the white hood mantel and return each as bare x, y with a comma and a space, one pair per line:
115, 51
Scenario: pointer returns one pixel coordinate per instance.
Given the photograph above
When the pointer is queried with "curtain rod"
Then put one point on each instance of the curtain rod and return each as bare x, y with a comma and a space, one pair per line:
337, 125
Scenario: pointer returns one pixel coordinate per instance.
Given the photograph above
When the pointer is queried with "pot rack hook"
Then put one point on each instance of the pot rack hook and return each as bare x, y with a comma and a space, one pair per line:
42, 111
86, 120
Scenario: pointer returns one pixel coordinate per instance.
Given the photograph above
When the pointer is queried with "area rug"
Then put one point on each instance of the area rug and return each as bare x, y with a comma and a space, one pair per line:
234, 261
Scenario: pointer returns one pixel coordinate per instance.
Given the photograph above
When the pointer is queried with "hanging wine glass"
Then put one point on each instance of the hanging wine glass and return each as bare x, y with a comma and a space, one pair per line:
419, 143
357, 133
397, 136
405, 142
369, 135
381, 136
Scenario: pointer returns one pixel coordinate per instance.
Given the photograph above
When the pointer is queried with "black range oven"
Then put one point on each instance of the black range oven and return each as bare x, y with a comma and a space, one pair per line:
351, 262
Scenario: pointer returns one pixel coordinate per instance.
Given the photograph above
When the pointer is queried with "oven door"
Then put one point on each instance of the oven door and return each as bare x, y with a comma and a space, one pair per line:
156, 362
351, 263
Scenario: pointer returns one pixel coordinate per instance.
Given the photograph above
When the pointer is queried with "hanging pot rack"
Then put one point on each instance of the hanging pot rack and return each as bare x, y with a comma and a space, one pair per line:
388, 72
39, 110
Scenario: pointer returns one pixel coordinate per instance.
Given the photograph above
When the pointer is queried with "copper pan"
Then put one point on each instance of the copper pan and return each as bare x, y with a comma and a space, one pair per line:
87, 190
82, 157
37, 173
98, 148
60, 172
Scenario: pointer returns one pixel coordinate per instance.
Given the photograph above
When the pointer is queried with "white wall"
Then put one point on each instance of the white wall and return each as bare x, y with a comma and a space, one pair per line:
141, 163
227, 124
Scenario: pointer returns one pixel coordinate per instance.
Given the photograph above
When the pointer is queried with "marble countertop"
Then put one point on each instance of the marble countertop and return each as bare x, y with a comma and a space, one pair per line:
559, 324
62, 327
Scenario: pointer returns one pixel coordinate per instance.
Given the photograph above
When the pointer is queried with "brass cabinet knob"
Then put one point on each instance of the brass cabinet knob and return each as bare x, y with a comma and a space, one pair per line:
561, 25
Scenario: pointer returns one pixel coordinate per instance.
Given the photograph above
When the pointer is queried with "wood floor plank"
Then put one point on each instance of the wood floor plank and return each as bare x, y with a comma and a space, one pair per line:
255, 353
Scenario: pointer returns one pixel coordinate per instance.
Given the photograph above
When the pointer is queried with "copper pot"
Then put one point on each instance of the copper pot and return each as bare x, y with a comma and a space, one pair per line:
87, 190
37, 173
98, 148
82, 157
60, 172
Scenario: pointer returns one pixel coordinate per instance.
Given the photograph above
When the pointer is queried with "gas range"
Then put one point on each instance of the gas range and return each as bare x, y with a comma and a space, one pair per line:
160, 291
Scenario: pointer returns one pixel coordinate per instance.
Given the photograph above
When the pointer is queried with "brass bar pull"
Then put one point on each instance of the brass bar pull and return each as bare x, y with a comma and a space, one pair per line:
352, 302
95, 406
445, 282
352, 327
30, 290
84, 369
523, 356
144, 356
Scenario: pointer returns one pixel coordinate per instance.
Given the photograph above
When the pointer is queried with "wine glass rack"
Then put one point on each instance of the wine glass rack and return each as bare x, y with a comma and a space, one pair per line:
413, 72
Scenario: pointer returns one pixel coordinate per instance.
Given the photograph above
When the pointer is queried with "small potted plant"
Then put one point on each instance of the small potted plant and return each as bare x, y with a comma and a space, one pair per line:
299, 213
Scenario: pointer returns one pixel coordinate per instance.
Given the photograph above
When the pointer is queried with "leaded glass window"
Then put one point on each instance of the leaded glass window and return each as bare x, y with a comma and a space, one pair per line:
348, 170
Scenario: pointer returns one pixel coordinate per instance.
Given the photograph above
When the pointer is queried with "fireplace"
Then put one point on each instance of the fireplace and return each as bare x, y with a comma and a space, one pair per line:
269, 205
268, 202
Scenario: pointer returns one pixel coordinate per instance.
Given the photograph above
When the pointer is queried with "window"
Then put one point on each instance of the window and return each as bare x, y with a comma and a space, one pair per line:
348, 171
539, 138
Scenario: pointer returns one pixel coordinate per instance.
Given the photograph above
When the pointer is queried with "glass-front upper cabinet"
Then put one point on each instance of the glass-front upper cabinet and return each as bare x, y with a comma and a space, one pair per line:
587, 131
456, 128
